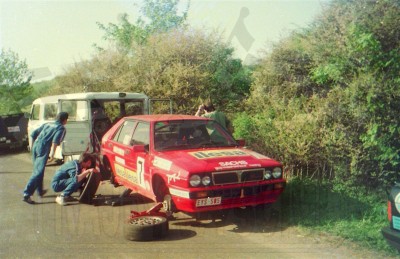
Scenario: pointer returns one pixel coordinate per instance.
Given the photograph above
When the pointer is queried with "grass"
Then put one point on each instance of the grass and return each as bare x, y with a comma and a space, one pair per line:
354, 216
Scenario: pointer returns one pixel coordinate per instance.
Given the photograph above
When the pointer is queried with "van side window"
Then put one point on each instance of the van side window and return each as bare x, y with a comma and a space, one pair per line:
50, 111
35, 112
77, 110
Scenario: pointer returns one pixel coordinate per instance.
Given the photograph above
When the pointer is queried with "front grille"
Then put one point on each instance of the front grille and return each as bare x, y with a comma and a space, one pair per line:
225, 178
240, 176
250, 176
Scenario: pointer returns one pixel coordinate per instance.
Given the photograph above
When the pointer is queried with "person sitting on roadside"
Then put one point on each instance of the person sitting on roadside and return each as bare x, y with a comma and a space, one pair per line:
69, 177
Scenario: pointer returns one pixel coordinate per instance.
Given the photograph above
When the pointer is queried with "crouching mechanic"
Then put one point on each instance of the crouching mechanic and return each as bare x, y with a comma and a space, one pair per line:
68, 178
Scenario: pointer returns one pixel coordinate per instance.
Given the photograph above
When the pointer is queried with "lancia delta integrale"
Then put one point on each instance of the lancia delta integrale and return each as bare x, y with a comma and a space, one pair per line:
190, 163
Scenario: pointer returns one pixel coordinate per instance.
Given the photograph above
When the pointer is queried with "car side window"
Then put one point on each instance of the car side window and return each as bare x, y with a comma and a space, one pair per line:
124, 134
141, 135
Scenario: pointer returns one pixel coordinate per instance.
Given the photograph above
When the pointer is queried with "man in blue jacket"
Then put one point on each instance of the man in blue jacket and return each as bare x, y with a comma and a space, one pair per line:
69, 177
46, 138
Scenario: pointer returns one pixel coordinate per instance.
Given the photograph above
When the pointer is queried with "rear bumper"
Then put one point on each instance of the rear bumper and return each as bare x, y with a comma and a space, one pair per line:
392, 237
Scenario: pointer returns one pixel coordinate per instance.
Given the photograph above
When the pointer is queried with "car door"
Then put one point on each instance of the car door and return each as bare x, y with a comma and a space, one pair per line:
136, 157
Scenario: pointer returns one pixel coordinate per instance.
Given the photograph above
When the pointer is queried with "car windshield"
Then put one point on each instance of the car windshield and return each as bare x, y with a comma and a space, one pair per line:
190, 134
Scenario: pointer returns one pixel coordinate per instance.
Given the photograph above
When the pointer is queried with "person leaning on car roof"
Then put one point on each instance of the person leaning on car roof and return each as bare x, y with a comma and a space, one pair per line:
46, 138
68, 178
208, 110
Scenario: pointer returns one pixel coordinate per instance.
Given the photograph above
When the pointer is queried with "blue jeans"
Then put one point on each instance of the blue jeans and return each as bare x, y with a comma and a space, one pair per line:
66, 185
40, 154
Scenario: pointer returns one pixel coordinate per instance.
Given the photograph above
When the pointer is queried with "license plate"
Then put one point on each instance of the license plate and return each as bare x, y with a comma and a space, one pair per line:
208, 201
396, 222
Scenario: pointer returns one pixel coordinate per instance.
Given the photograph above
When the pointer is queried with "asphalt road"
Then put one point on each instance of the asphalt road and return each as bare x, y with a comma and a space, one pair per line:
48, 230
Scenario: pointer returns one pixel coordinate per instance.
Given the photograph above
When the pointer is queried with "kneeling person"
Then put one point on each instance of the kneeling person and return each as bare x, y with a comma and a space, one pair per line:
69, 177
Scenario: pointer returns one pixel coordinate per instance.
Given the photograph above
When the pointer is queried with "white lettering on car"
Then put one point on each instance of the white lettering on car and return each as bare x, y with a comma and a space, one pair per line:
118, 151
162, 163
233, 163
140, 170
119, 160
217, 153
173, 177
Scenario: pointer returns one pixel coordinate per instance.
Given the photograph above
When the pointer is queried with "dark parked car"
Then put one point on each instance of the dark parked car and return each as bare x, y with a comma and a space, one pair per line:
392, 232
13, 131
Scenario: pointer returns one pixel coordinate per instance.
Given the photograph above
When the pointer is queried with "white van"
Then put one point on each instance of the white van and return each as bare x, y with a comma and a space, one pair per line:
91, 114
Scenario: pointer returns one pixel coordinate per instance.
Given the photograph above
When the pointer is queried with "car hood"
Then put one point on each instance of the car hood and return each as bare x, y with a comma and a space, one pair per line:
210, 160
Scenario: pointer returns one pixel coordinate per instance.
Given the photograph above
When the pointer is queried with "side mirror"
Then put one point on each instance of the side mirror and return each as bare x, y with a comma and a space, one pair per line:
138, 148
241, 142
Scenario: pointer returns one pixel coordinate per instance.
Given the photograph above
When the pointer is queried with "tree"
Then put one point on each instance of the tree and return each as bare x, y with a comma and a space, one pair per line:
326, 99
159, 16
14, 82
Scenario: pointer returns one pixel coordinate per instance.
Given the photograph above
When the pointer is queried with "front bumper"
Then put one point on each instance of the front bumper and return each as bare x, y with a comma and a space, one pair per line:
392, 237
232, 197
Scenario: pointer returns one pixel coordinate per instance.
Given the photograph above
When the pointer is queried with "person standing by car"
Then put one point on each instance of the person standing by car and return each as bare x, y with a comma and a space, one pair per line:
46, 138
69, 177
208, 111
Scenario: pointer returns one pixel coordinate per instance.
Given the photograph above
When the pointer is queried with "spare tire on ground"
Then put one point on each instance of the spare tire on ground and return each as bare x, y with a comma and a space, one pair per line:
146, 228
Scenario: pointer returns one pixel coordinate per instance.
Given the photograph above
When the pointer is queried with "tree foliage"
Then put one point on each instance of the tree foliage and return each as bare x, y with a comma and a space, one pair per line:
326, 99
159, 16
14, 82
185, 65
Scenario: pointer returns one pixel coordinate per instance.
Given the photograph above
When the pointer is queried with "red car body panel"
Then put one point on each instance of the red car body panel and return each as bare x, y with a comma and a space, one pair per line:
236, 173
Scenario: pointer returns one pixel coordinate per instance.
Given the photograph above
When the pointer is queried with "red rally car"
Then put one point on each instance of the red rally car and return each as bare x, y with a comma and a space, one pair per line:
190, 163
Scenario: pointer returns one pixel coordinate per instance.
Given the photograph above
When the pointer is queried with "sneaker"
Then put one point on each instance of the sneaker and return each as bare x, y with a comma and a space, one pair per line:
43, 193
28, 200
61, 200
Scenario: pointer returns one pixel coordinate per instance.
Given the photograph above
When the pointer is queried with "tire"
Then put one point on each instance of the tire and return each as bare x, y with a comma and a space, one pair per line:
146, 228
106, 172
90, 188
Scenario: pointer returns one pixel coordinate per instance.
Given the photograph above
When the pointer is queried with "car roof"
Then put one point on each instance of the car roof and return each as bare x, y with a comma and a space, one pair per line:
165, 117
90, 96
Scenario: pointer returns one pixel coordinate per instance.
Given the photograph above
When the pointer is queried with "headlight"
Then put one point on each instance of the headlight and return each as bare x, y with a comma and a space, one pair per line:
206, 180
277, 172
194, 180
267, 174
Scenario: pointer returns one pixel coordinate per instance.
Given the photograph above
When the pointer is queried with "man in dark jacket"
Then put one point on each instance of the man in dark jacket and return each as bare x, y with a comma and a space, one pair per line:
69, 177
46, 138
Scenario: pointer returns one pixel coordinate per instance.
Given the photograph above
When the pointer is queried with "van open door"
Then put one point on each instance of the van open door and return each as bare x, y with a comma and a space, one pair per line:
160, 106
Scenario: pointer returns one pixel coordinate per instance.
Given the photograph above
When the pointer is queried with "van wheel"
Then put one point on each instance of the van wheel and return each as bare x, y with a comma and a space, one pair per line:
146, 228
89, 188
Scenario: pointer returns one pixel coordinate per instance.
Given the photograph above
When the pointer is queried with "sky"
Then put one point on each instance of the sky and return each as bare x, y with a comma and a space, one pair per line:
50, 35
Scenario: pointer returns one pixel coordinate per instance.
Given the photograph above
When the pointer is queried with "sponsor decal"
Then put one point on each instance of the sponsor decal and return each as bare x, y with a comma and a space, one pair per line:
180, 193
257, 155
231, 164
162, 163
218, 153
119, 160
126, 173
173, 177
118, 151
